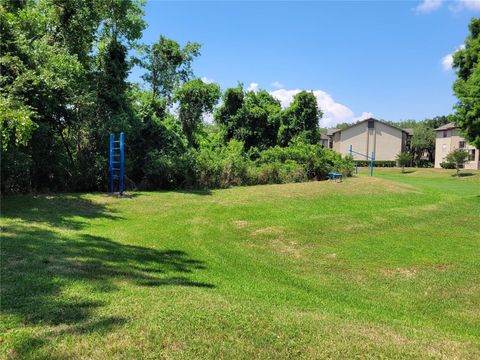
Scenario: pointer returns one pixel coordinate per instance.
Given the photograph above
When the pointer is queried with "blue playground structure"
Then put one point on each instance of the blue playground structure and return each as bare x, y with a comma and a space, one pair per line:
116, 162
371, 158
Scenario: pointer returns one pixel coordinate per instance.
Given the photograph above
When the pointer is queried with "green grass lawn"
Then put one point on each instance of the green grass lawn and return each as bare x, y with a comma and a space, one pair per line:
382, 267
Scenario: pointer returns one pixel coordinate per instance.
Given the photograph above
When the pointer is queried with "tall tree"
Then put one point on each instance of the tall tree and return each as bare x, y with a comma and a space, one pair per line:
195, 98
301, 119
232, 102
252, 117
467, 85
423, 140
168, 66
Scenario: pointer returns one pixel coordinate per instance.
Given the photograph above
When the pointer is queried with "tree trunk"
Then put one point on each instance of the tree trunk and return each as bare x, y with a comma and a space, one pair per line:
67, 148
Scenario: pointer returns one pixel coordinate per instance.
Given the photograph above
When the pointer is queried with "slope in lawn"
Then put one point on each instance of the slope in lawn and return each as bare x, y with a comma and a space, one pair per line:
384, 266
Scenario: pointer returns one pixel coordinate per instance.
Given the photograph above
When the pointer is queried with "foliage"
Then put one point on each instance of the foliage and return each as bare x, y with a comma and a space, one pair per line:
467, 85
169, 66
376, 163
64, 88
447, 165
301, 119
423, 141
458, 158
252, 117
403, 159
195, 99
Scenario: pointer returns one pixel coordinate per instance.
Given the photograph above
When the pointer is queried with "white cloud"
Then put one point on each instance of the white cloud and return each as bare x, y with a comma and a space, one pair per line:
206, 80
472, 5
428, 6
365, 115
277, 84
333, 112
447, 60
253, 87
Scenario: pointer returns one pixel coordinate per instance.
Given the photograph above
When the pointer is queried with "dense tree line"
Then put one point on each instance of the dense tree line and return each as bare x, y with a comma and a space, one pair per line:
64, 87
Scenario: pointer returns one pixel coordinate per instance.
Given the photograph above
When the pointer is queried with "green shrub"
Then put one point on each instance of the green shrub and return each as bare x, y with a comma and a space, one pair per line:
376, 163
447, 165
344, 166
215, 166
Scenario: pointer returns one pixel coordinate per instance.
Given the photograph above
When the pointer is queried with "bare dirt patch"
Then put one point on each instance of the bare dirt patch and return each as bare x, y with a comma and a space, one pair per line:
270, 230
290, 248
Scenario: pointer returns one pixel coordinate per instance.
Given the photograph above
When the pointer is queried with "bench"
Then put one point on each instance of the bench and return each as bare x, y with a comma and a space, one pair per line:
335, 176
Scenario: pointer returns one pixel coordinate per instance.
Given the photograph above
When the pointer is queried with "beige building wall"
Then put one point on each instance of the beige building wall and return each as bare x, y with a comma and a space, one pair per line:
388, 142
336, 142
357, 137
448, 140
384, 140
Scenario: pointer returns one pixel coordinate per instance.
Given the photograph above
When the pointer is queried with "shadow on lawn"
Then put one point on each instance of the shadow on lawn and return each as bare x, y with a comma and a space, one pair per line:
463, 174
52, 279
65, 211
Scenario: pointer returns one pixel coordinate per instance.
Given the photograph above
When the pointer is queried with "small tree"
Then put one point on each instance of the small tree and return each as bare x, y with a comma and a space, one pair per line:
403, 159
457, 157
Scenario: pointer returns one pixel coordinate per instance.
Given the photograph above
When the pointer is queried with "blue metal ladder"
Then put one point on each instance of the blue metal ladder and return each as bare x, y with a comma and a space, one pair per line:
116, 162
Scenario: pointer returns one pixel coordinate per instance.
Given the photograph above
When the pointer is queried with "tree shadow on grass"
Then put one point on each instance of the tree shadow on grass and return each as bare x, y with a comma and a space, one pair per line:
68, 211
59, 280
194, 191
463, 174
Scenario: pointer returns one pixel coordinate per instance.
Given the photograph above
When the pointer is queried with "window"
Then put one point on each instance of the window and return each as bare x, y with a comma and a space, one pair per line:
445, 133
371, 124
471, 155
461, 144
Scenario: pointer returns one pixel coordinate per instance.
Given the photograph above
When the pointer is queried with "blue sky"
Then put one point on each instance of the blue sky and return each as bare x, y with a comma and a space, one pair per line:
386, 59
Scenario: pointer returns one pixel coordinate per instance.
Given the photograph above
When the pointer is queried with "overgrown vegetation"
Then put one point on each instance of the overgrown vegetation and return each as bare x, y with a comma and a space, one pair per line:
64, 88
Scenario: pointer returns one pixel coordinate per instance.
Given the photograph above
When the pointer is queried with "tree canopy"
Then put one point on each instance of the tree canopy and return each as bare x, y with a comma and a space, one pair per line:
467, 85
64, 87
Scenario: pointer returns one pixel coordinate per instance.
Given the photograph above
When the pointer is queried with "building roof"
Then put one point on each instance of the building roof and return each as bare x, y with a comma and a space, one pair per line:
370, 119
323, 137
446, 127
409, 131
332, 131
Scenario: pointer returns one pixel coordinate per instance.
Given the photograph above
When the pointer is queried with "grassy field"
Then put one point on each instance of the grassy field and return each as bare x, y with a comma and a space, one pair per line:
382, 267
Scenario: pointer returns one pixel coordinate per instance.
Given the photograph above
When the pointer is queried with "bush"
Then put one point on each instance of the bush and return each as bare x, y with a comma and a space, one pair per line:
316, 160
344, 166
277, 173
447, 165
167, 171
376, 163
215, 166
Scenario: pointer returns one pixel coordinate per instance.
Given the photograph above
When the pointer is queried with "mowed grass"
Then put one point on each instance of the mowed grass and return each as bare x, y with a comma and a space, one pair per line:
382, 267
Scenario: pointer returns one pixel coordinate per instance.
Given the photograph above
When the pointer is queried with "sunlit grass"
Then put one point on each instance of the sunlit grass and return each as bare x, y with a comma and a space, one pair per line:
372, 267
